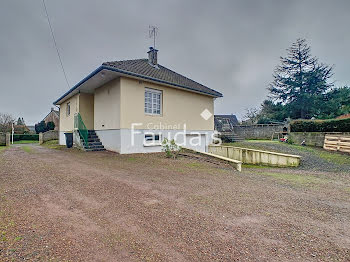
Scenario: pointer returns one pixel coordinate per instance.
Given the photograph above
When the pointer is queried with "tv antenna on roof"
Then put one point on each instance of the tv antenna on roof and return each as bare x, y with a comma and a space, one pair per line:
153, 32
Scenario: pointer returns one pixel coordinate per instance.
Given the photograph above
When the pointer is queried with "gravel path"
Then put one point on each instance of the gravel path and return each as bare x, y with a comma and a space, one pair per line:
68, 205
311, 157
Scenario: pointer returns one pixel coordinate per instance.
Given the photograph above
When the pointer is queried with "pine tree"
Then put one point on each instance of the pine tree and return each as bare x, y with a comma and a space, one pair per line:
300, 79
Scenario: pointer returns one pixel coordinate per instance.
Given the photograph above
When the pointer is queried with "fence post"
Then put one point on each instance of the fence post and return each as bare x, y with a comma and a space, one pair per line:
8, 139
41, 141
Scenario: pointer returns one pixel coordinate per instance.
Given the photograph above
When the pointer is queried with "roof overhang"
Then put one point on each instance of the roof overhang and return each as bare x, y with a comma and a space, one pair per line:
105, 74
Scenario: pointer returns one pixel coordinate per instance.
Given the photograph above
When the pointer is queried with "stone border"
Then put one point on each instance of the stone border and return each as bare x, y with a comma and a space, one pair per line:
255, 157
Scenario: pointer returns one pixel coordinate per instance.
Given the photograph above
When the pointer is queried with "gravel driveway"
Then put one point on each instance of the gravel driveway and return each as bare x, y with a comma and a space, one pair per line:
68, 205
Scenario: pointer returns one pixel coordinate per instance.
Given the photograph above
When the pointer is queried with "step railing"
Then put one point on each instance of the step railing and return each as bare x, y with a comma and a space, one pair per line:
80, 126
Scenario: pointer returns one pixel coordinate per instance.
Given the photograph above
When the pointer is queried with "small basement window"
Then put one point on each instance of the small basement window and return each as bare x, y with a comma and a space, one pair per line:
153, 101
152, 140
68, 109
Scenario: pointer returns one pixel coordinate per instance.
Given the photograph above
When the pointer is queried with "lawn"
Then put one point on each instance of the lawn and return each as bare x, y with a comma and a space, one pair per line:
2, 148
26, 142
53, 144
27, 149
70, 205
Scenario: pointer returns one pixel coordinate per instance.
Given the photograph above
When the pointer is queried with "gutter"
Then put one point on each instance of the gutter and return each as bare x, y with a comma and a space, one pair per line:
99, 69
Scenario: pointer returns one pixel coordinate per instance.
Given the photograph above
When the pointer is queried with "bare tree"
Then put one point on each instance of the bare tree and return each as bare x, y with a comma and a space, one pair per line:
6, 121
252, 114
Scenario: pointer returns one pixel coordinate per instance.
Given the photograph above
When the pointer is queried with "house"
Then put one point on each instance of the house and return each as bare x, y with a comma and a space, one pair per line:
130, 106
53, 116
225, 123
31, 129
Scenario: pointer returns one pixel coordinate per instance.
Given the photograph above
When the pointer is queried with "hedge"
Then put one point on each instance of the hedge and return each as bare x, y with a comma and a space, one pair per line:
334, 125
18, 137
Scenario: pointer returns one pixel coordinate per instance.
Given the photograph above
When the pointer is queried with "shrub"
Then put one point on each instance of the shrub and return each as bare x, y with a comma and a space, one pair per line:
334, 125
40, 127
50, 126
33, 137
290, 141
170, 148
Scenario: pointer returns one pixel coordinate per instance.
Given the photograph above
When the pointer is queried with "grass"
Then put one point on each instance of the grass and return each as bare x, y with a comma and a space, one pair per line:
254, 166
53, 144
27, 149
296, 179
26, 142
334, 157
338, 158
2, 148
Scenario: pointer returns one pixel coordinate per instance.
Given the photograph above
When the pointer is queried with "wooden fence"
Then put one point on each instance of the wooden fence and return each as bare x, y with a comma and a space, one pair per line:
339, 143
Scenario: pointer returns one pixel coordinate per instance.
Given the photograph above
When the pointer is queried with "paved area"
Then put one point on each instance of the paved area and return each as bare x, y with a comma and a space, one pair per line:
68, 205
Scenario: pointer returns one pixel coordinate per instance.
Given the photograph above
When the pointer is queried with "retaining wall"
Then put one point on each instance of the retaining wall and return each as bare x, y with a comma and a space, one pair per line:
47, 136
257, 131
311, 138
256, 157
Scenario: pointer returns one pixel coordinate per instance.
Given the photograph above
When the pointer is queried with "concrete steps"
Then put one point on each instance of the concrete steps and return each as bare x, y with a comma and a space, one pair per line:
94, 143
230, 137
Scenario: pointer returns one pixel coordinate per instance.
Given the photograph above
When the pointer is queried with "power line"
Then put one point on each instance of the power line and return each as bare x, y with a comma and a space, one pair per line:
54, 41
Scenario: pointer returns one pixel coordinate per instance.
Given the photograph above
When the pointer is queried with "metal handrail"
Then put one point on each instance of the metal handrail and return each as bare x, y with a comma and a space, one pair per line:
80, 126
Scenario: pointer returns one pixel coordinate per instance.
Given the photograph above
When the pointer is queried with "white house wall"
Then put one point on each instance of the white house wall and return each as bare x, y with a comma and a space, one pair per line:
61, 138
111, 139
126, 146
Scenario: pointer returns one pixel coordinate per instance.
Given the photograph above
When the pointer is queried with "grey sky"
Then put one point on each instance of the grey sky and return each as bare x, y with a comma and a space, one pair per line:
230, 46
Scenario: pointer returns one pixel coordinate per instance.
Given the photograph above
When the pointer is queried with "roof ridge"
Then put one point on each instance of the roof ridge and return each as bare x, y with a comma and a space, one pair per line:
127, 60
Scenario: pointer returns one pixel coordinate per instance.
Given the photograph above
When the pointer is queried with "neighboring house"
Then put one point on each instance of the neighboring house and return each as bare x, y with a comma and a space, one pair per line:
31, 129
133, 105
53, 116
224, 123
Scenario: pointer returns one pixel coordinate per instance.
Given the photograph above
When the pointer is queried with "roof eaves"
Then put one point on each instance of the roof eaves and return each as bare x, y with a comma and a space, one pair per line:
79, 84
103, 66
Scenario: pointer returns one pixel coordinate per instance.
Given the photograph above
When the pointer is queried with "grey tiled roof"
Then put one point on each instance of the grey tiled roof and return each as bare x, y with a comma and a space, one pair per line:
141, 68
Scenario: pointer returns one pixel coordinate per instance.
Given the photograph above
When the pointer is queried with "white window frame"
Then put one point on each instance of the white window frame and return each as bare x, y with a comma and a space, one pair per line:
151, 99
152, 141
68, 109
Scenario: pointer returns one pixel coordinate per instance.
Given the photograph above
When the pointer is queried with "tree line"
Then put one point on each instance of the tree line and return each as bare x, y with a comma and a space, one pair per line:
6, 121
301, 89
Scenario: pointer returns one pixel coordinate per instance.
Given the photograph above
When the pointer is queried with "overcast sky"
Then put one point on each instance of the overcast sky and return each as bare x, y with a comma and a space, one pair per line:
230, 46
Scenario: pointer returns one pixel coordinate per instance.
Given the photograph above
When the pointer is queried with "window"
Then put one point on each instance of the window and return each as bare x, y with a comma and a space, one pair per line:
68, 109
152, 140
153, 101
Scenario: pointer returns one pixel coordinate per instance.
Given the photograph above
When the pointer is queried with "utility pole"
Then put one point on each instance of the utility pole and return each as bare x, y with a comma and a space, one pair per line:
13, 131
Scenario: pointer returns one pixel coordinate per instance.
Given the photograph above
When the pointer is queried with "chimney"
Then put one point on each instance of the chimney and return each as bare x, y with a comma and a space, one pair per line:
152, 56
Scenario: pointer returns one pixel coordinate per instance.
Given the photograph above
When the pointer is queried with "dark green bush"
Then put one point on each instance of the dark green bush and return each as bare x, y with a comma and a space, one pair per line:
17, 137
334, 125
50, 126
